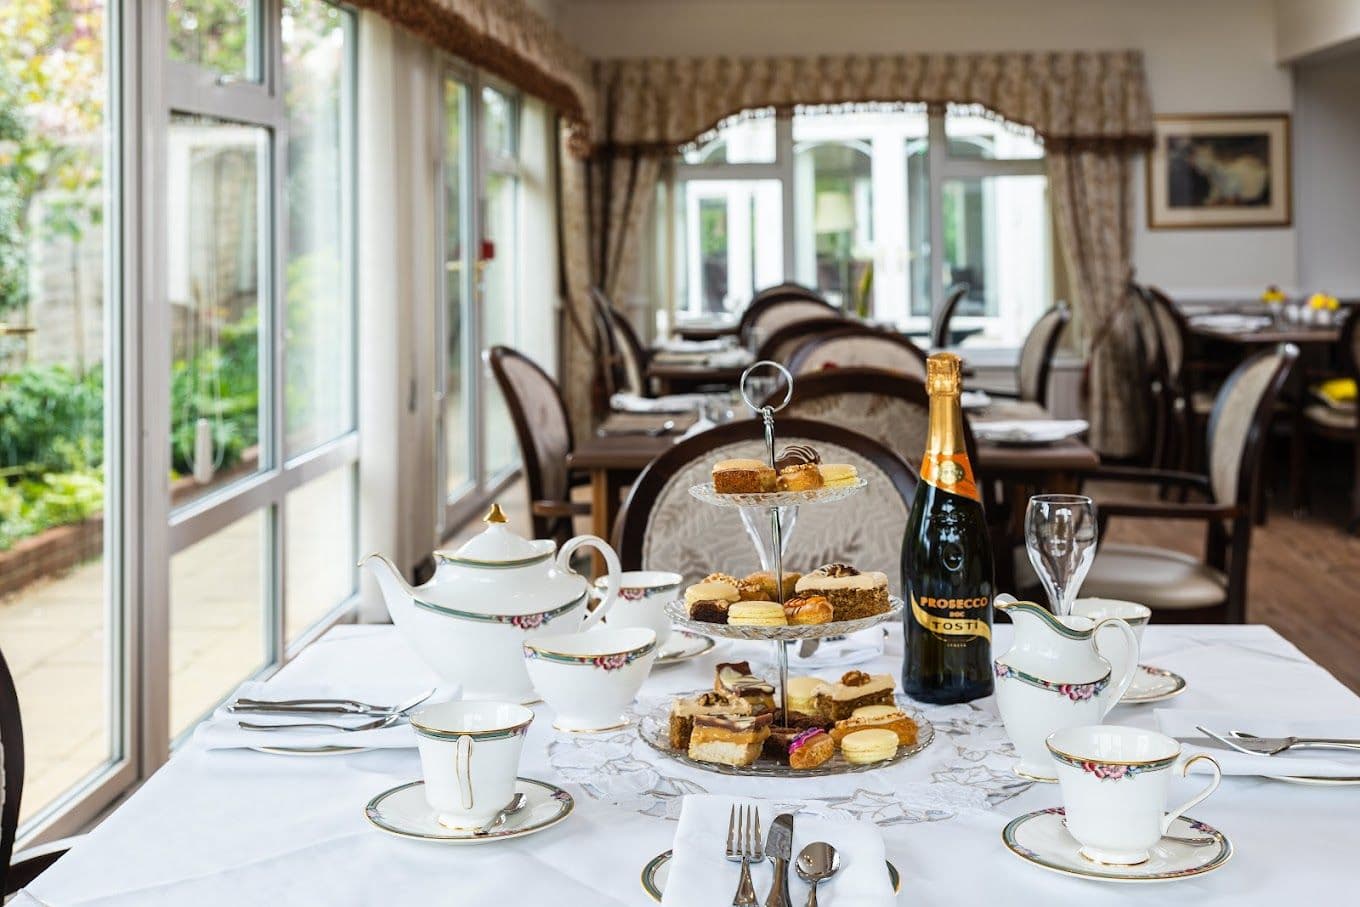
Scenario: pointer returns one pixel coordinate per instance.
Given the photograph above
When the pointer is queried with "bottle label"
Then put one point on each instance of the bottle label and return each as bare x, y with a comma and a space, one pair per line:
950, 472
954, 622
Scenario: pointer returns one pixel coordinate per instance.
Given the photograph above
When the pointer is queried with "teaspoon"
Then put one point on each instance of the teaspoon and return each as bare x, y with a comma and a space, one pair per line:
816, 863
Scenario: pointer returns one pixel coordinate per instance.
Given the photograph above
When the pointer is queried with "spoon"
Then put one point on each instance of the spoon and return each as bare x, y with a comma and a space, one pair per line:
816, 863
517, 802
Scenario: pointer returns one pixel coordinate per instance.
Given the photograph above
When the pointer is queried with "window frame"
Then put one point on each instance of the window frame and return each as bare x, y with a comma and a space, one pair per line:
941, 169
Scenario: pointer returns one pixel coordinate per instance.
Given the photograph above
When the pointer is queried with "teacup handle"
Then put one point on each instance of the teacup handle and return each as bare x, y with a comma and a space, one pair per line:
612, 583
463, 768
1130, 640
1184, 770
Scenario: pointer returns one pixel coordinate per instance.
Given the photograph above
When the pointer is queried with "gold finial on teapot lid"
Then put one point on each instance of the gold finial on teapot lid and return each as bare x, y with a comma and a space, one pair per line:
495, 515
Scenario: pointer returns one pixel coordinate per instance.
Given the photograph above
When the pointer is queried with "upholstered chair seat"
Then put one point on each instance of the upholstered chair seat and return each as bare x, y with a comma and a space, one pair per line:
1330, 417
1156, 577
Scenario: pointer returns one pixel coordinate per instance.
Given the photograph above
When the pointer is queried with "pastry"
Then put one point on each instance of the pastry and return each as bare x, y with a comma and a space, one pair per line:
801, 696
796, 455
742, 477
799, 477
758, 587
756, 614
878, 716
811, 748
731, 740
871, 745
808, 609
705, 590
709, 611
855, 689
853, 595
765, 579
685, 709
735, 679
838, 475
727, 578
777, 744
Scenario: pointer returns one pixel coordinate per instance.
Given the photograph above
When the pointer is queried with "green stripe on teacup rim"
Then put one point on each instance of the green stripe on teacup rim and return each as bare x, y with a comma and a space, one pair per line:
1159, 762
498, 733
578, 658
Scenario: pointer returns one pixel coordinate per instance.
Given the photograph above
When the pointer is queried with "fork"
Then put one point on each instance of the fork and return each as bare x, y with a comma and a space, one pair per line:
1269, 746
326, 706
366, 726
743, 844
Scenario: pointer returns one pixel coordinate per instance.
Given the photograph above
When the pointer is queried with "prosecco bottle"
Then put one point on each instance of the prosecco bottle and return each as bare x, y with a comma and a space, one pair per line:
947, 560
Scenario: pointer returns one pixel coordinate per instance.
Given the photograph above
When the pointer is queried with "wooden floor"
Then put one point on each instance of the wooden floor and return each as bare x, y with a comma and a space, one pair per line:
1304, 578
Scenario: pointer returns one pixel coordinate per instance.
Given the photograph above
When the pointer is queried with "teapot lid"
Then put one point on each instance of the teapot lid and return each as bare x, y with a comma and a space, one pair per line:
498, 546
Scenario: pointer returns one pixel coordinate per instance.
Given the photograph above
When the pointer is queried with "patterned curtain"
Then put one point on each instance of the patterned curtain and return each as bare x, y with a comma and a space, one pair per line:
1090, 190
606, 201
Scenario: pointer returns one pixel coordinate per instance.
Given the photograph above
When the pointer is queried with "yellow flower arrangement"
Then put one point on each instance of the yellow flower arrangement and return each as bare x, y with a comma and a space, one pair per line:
1273, 294
1324, 302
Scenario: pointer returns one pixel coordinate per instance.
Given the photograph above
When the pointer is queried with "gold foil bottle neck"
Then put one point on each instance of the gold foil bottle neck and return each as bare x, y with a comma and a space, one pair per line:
943, 374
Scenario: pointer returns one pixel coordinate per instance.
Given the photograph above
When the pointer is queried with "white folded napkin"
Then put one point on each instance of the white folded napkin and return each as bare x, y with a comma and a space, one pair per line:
700, 875
668, 403
975, 399
1229, 321
681, 345
1330, 763
1029, 430
728, 358
698, 426
223, 730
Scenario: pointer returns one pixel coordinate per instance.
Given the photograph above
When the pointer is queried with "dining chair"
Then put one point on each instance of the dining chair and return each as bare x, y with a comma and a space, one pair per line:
787, 289
763, 318
1183, 588
630, 356
544, 432
859, 346
15, 873
662, 527
780, 345
890, 407
607, 363
1036, 357
1154, 388
939, 332
1330, 422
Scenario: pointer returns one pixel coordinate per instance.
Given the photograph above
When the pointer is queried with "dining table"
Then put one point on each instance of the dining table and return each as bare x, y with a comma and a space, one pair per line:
678, 377
230, 826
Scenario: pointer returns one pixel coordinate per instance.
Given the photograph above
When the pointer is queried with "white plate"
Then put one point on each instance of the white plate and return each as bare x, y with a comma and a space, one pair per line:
658, 870
402, 811
1153, 685
1314, 781
1042, 838
1027, 432
311, 750
682, 646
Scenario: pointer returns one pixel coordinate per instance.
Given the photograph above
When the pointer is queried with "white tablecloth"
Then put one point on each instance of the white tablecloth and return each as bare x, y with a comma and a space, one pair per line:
234, 827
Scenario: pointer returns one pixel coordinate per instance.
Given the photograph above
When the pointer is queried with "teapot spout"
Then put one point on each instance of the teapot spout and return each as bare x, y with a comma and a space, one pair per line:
396, 592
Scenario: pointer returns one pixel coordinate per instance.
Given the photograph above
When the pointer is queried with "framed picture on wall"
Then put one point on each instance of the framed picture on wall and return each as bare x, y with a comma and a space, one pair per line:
1216, 171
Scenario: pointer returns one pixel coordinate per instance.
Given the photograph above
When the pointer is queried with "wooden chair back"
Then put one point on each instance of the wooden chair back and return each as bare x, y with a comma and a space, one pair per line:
662, 527
939, 332
1036, 354
780, 345
859, 346
789, 289
543, 429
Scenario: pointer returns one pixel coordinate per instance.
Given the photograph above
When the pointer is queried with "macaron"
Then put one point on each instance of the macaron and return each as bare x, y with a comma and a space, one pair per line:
757, 614
715, 590
869, 745
838, 475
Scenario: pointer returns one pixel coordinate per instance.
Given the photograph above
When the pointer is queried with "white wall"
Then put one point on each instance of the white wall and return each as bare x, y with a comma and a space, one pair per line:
1205, 56
1327, 173
1306, 27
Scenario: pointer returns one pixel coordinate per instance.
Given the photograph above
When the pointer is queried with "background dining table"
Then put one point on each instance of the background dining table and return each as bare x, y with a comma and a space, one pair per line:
219, 827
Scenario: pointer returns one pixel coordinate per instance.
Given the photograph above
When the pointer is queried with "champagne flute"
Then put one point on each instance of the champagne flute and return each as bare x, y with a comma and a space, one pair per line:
1060, 535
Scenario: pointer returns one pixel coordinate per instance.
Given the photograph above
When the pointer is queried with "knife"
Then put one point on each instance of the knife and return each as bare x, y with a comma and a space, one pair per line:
779, 848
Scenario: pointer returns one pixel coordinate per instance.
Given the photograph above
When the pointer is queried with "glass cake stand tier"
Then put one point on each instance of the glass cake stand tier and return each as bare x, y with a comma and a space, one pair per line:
765, 500
675, 610
654, 729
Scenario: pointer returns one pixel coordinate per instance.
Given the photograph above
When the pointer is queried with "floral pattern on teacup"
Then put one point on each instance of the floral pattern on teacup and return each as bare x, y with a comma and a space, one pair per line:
1110, 771
611, 662
1074, 692
632, 593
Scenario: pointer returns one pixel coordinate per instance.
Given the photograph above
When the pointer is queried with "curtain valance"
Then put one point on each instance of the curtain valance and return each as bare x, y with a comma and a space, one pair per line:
508, 39
1095, 98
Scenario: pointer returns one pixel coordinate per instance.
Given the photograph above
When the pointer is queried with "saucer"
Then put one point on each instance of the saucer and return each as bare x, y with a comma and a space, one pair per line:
1042, 839
658, 869
402, 811
1152, 685
682, 646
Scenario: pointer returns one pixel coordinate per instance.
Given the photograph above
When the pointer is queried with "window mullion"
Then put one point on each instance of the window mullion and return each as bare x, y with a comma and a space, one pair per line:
271, 33
937, 153
783, 155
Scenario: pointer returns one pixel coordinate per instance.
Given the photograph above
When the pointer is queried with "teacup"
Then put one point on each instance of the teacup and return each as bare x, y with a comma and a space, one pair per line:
1132, 613
1114, 786
469, 753
643, 595
590, 678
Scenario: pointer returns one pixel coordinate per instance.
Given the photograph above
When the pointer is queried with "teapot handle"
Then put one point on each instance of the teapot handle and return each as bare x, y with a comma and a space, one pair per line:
611, 561
1121, 685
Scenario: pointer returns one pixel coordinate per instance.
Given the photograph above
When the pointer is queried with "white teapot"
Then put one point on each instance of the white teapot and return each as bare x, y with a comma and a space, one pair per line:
470, 621
1056, 676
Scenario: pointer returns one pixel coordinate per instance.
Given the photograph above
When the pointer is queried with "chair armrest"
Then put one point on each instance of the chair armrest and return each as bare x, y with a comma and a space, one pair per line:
560, 508
1148, 476
32, 862
1167, 510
